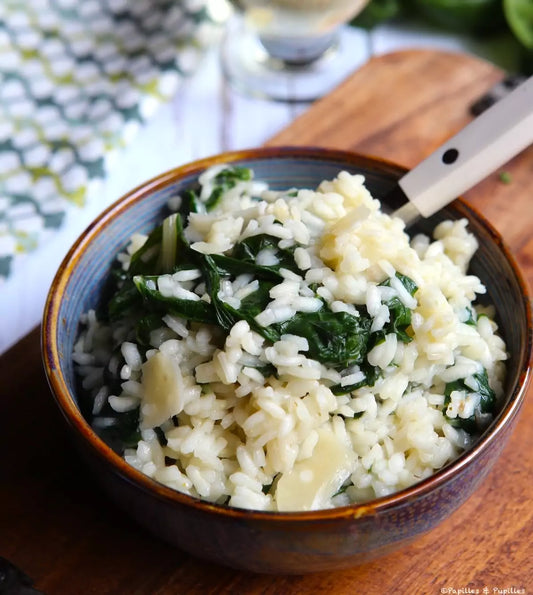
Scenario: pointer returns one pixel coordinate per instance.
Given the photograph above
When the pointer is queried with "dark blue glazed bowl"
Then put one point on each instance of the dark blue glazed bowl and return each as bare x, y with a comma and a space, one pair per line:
279, 542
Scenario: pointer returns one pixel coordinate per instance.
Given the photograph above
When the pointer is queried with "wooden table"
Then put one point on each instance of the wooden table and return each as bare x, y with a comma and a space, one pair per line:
58, 526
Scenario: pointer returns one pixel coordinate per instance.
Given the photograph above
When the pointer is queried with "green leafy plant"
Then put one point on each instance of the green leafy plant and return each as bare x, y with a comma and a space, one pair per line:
478, 18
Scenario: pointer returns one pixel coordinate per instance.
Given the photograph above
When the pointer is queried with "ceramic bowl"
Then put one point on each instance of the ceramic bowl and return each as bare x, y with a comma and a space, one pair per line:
266, 541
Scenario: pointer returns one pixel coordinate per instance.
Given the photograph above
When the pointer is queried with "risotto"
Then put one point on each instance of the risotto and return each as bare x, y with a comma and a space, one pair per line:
290, 350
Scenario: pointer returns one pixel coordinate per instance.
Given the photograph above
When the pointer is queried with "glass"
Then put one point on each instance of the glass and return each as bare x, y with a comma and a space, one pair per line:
288, 50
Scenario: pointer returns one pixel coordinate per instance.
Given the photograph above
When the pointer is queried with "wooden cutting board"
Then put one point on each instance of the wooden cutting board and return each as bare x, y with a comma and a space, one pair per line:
57, 526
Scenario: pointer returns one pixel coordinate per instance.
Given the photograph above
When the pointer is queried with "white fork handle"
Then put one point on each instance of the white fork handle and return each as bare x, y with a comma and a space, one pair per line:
489, 141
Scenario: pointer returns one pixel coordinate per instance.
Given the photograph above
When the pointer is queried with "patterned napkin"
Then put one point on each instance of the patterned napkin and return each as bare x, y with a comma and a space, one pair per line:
77, 79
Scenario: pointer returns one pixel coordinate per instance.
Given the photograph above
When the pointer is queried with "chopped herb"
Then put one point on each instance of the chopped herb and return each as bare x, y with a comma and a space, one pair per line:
356, 415
470, 317
342, 489
505, 177
161, 438
268, 486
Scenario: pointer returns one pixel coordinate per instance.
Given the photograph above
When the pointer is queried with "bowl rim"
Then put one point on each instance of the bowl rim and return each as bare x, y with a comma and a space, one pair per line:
52, 356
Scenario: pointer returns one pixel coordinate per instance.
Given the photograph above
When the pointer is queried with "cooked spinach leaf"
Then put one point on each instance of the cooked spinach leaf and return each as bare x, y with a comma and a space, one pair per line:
194, 310
248, 249
486, 402
224, 181
227, 316
228, 265
371, 373
164, 247
190, 203
267, 370
243, 258
124, 433
224, 314
400, 314
148, 323
144, 260
255, 302
334, 338
124, 302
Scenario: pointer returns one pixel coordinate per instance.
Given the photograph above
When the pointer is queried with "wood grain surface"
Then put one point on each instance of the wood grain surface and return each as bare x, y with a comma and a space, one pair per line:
56, 524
